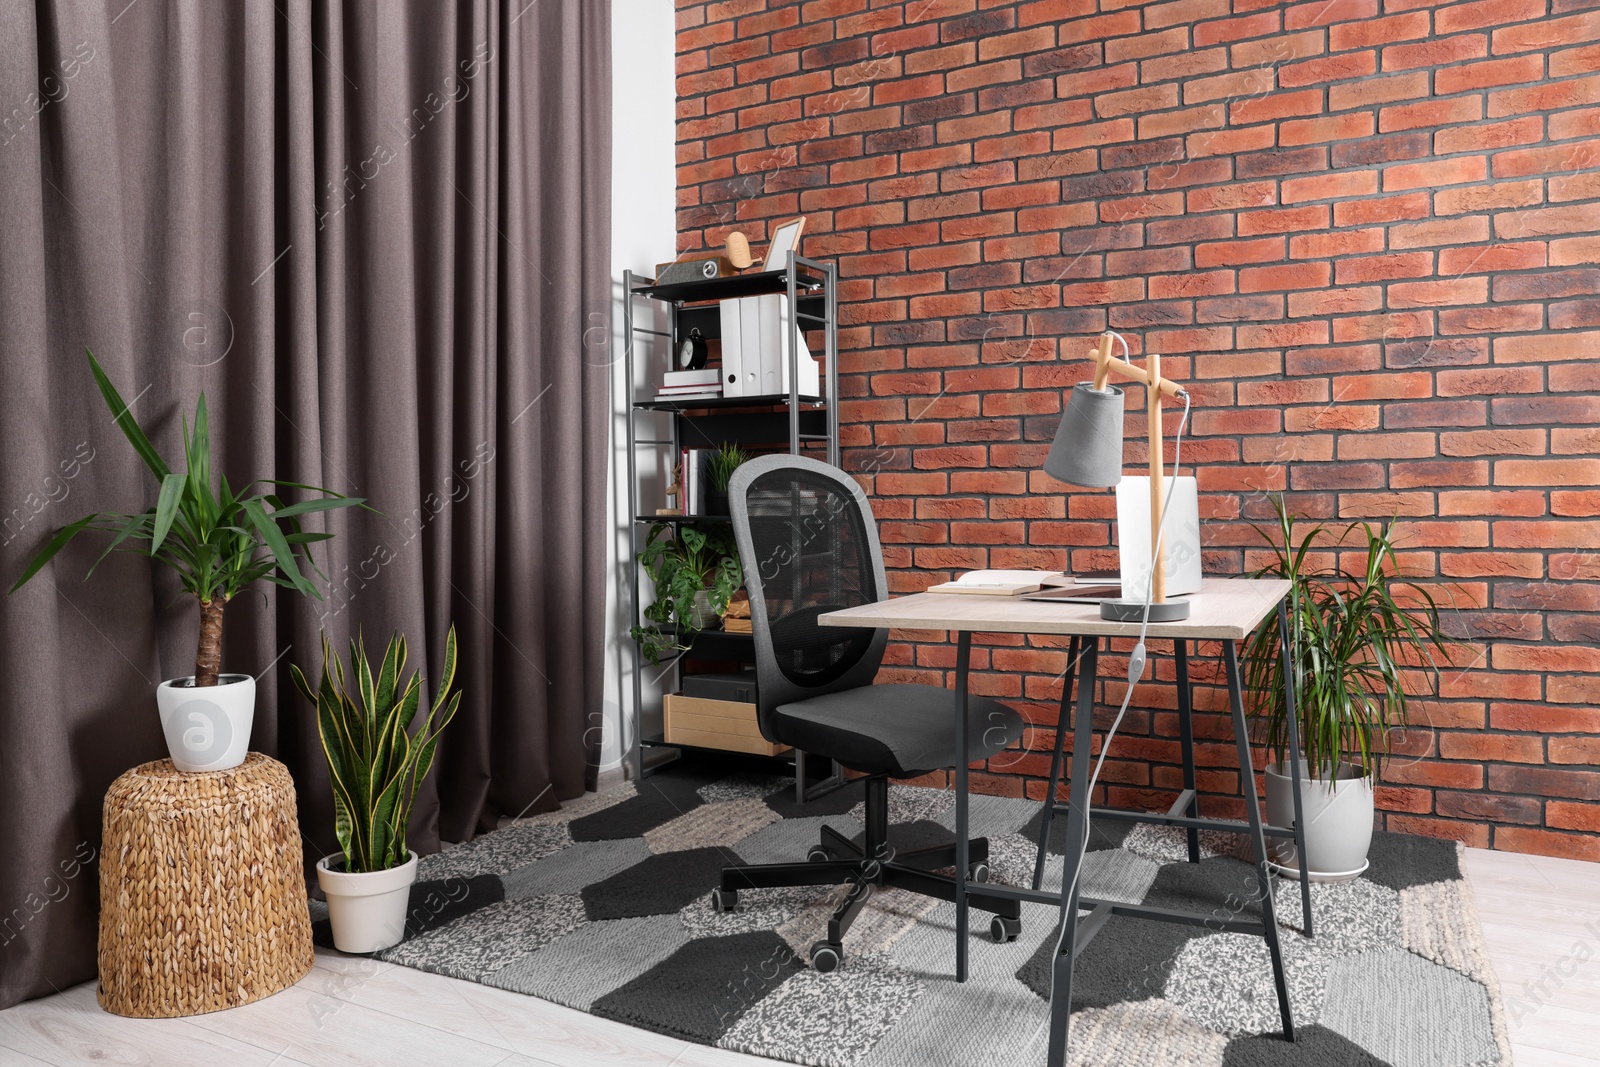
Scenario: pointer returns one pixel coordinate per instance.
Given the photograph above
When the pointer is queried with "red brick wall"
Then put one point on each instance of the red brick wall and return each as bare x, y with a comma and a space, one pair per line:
1367, 238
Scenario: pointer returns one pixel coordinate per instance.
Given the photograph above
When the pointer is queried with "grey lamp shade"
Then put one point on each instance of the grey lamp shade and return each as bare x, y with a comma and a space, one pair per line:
1087, 450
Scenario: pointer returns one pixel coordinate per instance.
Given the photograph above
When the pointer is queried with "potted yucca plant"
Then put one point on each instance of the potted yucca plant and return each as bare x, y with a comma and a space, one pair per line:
1353, 636
376, 762
219, 540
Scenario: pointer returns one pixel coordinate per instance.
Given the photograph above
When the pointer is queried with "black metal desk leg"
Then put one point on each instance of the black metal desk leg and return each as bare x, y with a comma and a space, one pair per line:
1063, 724
1186, 734
963, 658
1294, 760
1252, 810
1077, 832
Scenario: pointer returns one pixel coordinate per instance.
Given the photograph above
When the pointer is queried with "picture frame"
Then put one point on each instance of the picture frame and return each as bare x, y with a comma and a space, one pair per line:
785, 238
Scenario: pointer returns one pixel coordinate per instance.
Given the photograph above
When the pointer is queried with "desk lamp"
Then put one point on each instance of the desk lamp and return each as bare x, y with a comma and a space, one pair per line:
1087, 451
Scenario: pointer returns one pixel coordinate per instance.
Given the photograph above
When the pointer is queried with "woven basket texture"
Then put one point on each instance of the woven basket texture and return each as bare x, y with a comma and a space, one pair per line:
202, 892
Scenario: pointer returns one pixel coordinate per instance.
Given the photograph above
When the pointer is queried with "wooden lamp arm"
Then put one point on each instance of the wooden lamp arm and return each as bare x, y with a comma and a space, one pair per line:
1105, 363
1157, 386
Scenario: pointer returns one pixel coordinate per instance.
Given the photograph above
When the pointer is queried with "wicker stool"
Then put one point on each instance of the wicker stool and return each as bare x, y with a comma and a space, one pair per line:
202, 895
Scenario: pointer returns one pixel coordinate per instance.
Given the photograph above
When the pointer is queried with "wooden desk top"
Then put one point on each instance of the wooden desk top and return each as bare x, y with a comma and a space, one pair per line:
1225, 609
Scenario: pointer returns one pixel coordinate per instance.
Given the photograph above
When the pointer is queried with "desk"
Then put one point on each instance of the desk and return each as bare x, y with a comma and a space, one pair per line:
1226, 610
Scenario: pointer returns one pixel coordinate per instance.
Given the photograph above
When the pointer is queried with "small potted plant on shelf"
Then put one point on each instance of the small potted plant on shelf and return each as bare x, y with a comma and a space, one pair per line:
219, 540
695, 571
720, 465
375, 764
1354, 635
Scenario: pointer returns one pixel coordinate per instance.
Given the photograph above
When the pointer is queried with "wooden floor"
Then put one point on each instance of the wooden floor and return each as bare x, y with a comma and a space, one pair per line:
1541, 918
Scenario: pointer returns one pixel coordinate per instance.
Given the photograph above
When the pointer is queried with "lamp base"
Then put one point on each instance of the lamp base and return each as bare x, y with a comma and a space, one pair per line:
1124, 610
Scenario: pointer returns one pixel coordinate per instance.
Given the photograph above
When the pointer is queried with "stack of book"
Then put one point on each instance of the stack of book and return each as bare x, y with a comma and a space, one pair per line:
690, 384
737, 620
692, 481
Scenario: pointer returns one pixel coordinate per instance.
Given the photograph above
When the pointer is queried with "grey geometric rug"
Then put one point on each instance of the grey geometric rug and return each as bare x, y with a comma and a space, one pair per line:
604, 906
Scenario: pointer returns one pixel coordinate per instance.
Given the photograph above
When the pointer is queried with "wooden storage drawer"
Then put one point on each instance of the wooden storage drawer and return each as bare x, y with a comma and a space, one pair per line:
724, 724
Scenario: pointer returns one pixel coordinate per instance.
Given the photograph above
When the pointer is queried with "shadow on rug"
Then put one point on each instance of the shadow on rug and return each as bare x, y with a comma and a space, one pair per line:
604, 907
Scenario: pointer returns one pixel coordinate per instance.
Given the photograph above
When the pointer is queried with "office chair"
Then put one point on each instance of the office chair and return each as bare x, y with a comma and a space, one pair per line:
809, 546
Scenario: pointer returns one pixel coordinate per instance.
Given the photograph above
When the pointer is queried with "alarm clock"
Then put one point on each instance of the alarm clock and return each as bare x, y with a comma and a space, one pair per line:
692, 352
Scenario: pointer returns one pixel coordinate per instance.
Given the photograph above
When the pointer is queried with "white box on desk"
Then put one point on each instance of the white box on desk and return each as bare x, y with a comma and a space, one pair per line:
1180, 542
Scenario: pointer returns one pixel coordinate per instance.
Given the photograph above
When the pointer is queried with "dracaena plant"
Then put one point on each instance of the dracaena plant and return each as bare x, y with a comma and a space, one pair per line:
375, 760
1355, 637
217, 538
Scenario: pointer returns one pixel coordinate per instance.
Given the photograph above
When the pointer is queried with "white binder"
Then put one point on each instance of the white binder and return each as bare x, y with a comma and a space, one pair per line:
734, 380
756, 345
766, 324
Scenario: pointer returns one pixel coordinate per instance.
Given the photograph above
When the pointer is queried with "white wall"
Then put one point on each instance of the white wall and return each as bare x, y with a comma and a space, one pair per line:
643, 233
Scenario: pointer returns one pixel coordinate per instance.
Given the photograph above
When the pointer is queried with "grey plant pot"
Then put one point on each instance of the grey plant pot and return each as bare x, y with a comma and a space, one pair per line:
1338, 822
705, 617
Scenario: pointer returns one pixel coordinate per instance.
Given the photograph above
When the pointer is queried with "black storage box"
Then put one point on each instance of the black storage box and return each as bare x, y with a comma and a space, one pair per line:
739, 687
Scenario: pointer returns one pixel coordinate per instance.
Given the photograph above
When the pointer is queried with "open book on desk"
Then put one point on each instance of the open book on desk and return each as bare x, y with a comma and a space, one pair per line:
1003, 583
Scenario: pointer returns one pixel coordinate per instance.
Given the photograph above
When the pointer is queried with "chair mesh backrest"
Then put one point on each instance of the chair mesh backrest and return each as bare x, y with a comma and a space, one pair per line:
811, 555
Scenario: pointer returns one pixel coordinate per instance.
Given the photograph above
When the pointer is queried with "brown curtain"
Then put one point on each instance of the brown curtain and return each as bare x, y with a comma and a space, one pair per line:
375, 235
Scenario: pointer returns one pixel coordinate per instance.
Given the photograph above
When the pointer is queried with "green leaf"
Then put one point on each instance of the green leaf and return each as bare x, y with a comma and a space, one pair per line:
54, 545
281, 552
172, 487
126, 422
133, 526
447, 677
199, 450
309, 506
301, 684
394, 661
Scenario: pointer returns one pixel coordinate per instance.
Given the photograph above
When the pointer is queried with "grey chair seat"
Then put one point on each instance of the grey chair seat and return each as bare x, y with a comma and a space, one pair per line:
900, 730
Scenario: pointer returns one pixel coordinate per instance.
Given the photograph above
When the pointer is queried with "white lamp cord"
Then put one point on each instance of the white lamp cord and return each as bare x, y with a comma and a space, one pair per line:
1136, 665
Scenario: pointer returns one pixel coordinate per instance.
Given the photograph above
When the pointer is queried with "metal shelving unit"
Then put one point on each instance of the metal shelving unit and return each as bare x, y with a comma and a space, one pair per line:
806, 425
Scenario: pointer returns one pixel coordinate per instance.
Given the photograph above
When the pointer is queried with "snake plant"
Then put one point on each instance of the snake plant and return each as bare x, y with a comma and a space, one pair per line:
1353, 638
217, 539
375, 761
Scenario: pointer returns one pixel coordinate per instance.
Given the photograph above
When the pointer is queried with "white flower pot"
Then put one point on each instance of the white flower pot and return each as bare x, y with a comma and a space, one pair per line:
207, 728
367, 911
1338, 822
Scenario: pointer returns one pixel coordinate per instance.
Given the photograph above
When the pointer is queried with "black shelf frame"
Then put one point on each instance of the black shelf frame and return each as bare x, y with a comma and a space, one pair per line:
813, 279
681, 518
802, 424
712, 403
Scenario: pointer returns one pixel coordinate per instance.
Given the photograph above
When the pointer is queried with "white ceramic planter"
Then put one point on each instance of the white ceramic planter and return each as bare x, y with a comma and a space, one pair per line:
207, 728
1338, 822
367, 911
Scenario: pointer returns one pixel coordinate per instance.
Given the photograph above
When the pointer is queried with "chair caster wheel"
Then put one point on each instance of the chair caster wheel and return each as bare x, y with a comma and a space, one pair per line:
1004, 930
724, 900
826, 956
978, 871
818, 854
